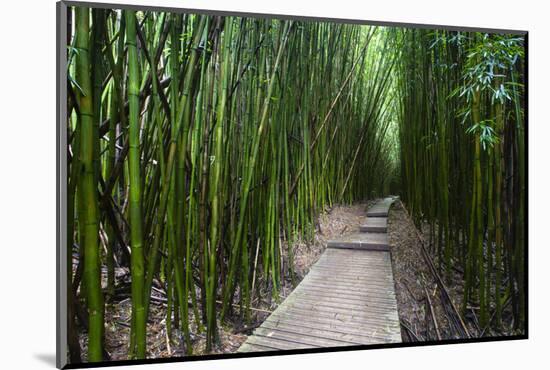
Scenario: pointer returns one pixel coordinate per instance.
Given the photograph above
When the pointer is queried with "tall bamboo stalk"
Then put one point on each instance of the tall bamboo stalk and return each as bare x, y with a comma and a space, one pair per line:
87, 190
139, 314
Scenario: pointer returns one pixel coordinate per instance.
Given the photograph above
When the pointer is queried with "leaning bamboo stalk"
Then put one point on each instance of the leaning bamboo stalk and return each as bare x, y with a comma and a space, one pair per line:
437, 277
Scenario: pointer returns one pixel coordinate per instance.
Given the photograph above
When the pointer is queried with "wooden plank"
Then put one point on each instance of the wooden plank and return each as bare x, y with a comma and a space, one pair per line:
371, 317
319, 288
352, 281
345, 288
249, 347
362, 241
378, 332
315, 304
380, 209
351, 285
280, 344
365, 300
295, 336
358, 271
337, 319
354, 268
321, 295
335, 259
343, 261
378, 212
369, 273
323, 333
344, 296
383, 299
378, 303
351, 254
342, 258
352, 264
340, 330
375, 225
353, 275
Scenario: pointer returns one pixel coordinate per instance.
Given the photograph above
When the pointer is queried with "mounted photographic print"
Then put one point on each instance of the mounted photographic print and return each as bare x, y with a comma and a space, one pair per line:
235, 185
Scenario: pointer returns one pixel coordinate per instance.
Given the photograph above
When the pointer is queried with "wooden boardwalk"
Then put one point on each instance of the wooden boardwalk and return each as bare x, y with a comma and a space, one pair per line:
346, 299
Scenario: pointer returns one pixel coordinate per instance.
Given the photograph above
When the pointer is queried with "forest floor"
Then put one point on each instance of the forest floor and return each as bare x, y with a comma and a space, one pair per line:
421, 318
331, 223
414, 282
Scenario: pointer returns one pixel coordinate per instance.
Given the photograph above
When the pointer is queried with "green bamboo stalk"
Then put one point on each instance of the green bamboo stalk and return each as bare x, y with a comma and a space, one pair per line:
87, 190
135, 204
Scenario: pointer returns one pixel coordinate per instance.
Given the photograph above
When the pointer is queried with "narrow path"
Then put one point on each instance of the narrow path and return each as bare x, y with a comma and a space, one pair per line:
346, 299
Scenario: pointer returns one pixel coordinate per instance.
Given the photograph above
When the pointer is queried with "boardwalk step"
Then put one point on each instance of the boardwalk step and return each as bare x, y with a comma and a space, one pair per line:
361, 241
381, 209
375, 225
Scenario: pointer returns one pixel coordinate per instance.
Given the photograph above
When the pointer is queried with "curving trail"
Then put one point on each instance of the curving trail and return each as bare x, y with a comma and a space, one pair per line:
347, 298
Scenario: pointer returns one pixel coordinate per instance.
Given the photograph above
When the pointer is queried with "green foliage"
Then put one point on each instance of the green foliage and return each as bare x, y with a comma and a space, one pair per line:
486, 133
461, 134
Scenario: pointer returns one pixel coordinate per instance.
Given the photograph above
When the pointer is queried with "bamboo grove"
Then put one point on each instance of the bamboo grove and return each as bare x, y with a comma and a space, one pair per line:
462, 162
200, 147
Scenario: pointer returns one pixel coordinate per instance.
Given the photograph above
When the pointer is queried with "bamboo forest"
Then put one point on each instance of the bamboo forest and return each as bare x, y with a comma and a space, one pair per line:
211, 160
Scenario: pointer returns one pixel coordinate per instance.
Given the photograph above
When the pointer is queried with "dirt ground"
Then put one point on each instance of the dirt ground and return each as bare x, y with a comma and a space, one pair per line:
414, 282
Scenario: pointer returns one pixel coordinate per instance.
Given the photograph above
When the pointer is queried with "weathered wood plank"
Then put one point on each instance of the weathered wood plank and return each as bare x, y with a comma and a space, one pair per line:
323, 333
335, 321
378, 212
341, 283
331, 316
350, 264
338, 261
312, 294
367, 274
379, 331
351, 254
381, 304
362, 241
302, 338
380, 278
352, 333
249, 347
375, 225
343, 287
380, 209
280, 344
356, 275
